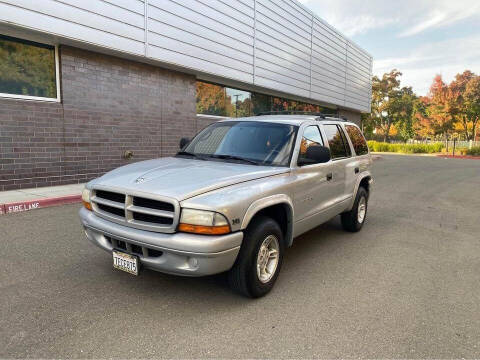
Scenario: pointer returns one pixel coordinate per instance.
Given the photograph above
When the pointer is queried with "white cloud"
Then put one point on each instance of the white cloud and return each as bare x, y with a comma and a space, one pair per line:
411, 16
444, 13
421, 64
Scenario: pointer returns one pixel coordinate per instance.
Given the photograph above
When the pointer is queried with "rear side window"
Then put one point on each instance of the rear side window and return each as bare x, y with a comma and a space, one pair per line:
336, 141
358, 141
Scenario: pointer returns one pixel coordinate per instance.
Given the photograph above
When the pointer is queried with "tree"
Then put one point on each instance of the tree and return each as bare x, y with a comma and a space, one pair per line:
385, 91
392, 106
423, 124
439, 109
406, 106
472, 104
457, 104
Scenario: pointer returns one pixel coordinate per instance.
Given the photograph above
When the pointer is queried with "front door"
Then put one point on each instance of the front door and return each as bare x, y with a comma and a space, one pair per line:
314, 187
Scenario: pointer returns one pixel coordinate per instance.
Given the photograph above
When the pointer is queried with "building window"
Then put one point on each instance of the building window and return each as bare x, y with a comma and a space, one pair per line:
27, 69
218, 100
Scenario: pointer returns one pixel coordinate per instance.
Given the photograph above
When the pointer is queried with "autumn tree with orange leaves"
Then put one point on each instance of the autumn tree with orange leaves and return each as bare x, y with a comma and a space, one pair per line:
447, 109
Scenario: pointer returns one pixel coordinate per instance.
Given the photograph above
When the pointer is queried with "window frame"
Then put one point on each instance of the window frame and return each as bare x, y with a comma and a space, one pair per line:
301, 137
57, 99
345, 137
351, 142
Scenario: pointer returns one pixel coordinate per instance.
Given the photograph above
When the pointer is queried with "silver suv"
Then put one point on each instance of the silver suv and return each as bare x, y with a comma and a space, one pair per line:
232, 199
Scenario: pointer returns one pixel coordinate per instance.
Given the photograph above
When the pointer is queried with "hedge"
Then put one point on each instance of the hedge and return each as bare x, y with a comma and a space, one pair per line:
474, 151
405, 148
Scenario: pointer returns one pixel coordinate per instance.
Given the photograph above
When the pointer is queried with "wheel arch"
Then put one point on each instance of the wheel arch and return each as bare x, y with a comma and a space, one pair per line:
279, 207
365, 180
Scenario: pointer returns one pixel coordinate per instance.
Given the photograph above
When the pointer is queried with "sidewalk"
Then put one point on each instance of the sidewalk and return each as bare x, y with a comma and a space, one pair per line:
14, 201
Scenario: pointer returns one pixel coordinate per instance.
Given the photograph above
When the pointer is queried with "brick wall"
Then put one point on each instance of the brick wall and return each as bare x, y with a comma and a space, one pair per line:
109, 105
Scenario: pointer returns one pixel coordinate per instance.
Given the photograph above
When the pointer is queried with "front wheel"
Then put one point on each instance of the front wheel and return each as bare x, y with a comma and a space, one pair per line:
259, 260
354, 219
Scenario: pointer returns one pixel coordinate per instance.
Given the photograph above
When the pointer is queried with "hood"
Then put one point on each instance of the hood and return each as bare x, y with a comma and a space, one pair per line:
182, 178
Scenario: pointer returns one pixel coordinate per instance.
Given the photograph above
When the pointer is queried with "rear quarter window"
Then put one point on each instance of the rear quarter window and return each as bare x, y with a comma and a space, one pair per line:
339, 147
358, 141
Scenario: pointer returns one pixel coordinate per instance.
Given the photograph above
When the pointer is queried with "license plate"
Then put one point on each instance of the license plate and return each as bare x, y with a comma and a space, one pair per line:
125, 262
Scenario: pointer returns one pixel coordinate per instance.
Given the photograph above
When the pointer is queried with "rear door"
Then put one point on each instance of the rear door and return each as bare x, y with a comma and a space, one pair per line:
341, 158
361, 162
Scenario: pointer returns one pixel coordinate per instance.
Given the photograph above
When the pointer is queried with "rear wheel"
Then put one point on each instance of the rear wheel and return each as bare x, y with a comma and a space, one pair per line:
354, 219
260, 259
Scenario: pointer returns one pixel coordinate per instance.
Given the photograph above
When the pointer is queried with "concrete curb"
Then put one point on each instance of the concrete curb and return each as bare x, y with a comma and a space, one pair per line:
22, 206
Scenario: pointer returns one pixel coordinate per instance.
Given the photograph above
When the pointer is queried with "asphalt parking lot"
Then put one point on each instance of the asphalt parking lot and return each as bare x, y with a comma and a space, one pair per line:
406, 286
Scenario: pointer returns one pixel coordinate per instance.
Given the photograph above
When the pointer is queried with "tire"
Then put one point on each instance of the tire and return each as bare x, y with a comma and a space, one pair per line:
244, 278
351, 221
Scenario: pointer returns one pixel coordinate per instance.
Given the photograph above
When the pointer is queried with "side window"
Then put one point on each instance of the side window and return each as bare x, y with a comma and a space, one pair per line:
345, 142
358, 141
338, 146
311, 136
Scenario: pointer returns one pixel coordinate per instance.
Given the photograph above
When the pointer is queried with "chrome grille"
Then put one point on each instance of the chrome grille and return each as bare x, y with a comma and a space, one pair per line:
136, 210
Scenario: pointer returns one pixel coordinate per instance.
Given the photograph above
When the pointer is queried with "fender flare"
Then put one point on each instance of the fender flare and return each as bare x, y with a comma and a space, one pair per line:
266, 202
363, 175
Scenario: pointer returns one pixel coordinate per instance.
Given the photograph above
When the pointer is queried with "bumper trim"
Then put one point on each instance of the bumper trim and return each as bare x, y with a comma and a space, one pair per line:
193, 255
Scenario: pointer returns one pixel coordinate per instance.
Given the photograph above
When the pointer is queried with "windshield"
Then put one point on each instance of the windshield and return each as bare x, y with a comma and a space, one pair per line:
254, 142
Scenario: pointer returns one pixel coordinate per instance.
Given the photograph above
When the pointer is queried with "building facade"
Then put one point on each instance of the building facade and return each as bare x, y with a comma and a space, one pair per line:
87, 86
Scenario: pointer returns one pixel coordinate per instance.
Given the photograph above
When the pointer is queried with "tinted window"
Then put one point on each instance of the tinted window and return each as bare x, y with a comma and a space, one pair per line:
262, 142
27, 68
358, 141
335, 141
311, 136
345, 142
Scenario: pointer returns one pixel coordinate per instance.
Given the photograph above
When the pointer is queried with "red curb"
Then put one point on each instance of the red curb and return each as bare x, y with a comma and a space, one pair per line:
38, 204
460, 157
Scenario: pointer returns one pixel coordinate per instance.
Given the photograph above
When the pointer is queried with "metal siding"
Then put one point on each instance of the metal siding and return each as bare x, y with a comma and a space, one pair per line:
216, 38
100, 23
283, 54
275, 44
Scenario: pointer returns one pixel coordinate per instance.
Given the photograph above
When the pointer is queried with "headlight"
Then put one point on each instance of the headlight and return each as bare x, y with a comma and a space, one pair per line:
86, 199
203, 222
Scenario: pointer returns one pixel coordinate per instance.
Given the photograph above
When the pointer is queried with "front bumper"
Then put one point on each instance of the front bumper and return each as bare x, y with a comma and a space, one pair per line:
178, 253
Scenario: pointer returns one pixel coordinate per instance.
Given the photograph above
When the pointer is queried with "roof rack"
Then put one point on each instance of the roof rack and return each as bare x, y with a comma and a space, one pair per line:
289, 112
332, 117
321, 116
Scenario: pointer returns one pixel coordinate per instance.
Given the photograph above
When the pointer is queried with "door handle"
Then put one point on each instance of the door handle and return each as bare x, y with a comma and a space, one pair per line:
329, 176
357, 170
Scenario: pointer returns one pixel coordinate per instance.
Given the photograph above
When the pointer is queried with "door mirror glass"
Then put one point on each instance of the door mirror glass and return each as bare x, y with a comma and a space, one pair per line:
184, 142
315, 154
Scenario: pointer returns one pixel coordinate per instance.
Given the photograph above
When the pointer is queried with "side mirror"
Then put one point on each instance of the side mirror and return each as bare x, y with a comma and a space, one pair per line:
315, 154
184, 142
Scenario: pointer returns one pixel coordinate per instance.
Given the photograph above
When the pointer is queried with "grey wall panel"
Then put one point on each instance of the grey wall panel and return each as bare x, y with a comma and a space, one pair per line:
275, 44
136, 6
283, 51
209, 36
358, 78
96, 22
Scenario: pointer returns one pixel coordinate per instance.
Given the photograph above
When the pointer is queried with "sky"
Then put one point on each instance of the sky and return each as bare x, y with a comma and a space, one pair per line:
421, 38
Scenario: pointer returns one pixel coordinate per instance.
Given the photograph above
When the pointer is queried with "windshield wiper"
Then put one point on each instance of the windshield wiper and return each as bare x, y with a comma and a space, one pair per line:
233, 157
186, 153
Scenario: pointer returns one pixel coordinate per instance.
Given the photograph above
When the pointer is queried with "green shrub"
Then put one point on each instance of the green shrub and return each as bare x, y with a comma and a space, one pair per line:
405, 148
473, 151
